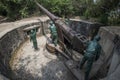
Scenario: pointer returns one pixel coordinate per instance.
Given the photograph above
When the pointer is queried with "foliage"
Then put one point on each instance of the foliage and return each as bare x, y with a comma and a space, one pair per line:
2, 9
59, 7
16, 9
114, 17
100, 9
106, 11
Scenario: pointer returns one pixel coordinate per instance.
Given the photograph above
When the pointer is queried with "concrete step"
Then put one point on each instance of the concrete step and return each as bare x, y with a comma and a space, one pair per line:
3, 77
71, 65
79, 74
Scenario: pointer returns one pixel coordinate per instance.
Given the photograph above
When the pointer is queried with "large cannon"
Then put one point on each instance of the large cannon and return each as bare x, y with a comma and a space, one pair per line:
67, 36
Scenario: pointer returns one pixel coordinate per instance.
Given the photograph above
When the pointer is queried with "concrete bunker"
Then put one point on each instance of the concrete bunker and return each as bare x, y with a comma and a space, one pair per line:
14, 37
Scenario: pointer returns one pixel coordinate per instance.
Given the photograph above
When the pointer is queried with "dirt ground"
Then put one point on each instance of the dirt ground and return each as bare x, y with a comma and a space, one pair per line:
29, 64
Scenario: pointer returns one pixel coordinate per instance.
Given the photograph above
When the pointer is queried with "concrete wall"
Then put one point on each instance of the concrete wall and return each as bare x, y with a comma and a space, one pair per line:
45, 27
114, 63
107, 66
89, 29
8, 44
11, 37
108, 43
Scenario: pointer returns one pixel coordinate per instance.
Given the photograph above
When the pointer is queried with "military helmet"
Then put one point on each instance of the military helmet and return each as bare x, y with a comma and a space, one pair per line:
51, 22
97, 37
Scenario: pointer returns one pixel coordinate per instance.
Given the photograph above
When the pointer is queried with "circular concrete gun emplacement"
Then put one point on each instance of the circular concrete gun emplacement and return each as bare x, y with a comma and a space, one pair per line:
19, 60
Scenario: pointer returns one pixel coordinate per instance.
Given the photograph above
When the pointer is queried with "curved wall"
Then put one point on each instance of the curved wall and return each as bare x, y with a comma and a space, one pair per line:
9, 42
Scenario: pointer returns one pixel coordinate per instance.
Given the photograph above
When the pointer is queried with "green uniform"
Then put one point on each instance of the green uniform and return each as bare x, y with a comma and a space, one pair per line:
53, 34
92, 53
33, 39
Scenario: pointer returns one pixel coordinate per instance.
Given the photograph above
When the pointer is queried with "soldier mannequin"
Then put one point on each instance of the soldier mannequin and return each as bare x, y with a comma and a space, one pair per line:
92, 53
33, 38
53, 33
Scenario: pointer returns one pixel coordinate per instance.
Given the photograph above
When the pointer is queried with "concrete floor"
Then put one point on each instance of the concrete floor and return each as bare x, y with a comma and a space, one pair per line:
38, 65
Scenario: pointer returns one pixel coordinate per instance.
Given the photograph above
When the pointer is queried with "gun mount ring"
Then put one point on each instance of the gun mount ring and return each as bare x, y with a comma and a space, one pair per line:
50, 47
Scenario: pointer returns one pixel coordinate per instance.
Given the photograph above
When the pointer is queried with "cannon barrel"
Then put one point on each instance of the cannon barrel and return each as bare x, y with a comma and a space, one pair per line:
66, 35
50, 15
61, 26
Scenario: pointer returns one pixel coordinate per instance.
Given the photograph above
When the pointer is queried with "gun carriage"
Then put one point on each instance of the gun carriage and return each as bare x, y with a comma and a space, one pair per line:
69, 35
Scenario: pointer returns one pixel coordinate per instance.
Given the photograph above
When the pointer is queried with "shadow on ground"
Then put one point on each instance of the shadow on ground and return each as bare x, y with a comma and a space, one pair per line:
53, 70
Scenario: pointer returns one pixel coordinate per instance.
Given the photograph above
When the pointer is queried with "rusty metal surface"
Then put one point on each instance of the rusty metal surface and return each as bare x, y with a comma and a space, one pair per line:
69, 35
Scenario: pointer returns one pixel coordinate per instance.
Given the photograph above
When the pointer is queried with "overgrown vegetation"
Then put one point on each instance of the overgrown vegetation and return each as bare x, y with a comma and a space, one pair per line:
16, 9
104, 11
